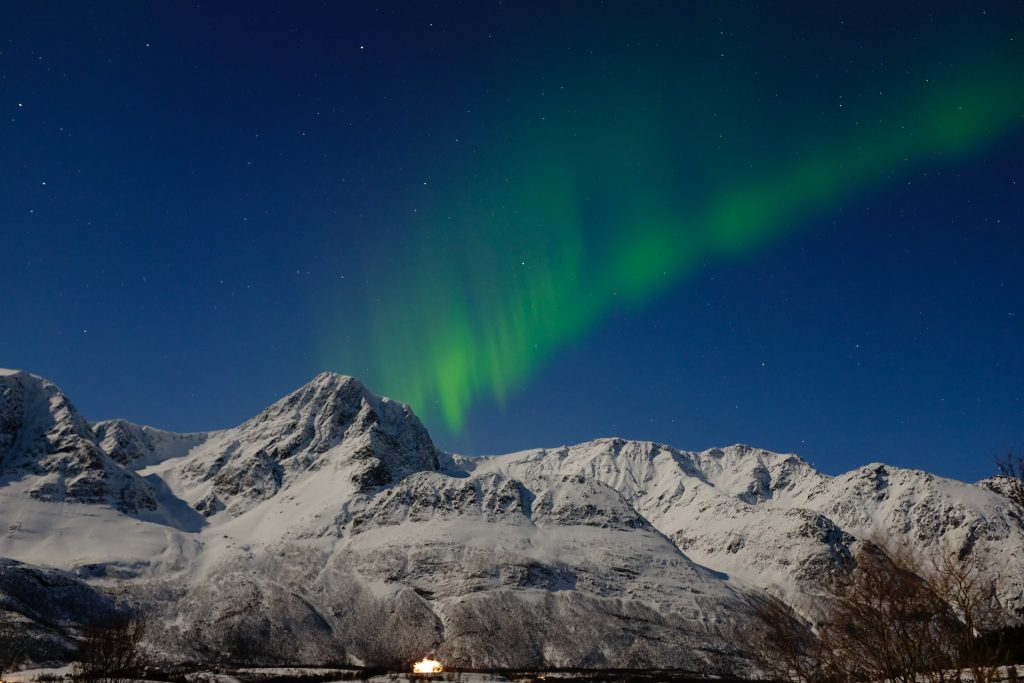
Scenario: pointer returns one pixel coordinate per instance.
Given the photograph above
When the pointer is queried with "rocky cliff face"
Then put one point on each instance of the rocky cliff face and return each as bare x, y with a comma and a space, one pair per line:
135, 445
332, 423
47, 445
331, 517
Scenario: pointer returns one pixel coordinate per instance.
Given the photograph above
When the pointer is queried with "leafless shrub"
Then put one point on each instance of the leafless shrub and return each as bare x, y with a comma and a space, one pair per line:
888, 623
1011, 467
110, 652
783, 644
895, 618
969, 588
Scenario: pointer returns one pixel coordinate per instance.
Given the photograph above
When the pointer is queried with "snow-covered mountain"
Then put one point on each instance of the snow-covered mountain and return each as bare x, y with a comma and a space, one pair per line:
772, 521
49, 451
330, 518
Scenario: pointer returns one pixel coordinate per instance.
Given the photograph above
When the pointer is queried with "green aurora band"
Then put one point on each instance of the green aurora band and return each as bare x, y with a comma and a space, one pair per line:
585, 214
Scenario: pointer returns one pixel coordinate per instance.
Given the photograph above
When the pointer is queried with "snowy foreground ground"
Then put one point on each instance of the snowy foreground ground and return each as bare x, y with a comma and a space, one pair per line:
296, 674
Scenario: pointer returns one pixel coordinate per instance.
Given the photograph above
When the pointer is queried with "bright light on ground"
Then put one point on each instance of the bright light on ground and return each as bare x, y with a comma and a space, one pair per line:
427, 666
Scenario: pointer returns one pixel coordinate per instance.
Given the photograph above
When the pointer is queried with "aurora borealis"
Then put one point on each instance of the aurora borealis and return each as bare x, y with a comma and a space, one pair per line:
614, 194
792, 225
494, 294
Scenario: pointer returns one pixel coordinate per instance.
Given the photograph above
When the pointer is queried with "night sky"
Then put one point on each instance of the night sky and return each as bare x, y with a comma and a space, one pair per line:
798, 226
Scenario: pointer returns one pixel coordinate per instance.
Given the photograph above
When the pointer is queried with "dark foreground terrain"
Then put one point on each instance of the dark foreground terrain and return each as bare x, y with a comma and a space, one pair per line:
196, 674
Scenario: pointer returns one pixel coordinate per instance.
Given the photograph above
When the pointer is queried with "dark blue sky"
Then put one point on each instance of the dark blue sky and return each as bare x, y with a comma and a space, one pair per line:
201, 203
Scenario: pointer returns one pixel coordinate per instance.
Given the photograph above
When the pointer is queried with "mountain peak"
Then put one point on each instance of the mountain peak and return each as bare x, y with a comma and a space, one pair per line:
333, 378
333, 423
316, 416
44, 440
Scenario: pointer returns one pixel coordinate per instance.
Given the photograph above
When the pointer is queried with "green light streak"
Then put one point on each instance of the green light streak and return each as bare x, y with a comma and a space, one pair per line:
586, 218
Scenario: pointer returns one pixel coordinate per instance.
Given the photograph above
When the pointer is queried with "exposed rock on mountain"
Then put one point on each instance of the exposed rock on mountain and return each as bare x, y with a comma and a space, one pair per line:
131, 444
332, 423
45, 444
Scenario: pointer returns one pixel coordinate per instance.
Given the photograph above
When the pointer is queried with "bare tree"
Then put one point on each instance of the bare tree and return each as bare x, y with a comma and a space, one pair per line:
887, 623
969, 588
784, 645
895, 618
1011, 467
110, 652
